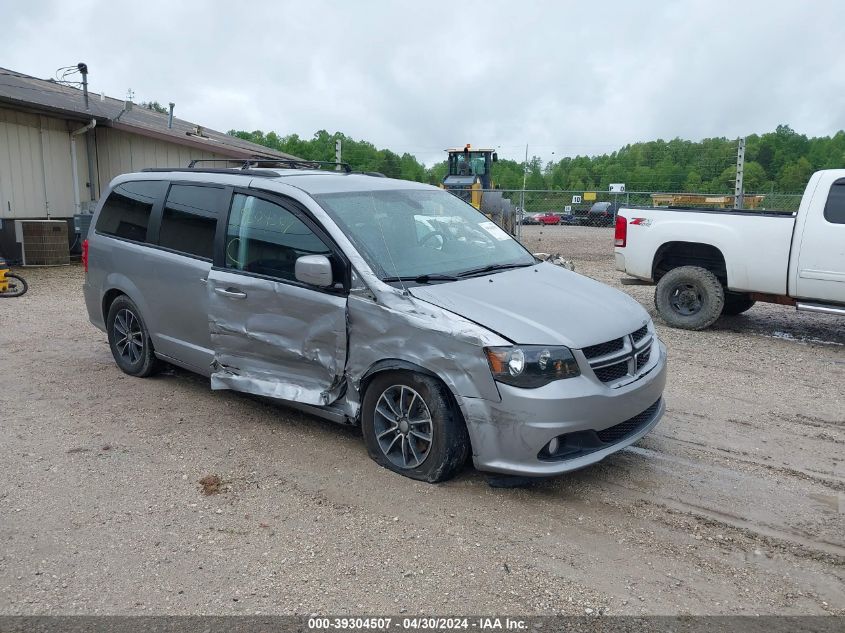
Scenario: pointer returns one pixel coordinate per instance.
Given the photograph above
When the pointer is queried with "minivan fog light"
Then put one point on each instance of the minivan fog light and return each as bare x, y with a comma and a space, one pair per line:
553, 445
531, 366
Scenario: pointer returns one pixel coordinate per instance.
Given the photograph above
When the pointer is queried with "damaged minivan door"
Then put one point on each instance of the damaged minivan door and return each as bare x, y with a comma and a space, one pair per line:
277, 308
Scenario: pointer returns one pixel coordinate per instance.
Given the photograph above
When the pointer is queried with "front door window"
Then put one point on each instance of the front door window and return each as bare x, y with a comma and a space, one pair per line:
265, 238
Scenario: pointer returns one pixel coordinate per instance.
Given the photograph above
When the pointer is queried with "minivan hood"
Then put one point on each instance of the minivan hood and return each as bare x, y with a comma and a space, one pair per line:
540, 305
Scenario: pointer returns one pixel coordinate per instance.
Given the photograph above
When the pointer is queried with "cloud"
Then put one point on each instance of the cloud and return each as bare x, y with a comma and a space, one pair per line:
563, 77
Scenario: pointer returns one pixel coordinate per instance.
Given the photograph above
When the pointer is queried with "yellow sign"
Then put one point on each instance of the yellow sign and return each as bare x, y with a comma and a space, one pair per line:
589, 195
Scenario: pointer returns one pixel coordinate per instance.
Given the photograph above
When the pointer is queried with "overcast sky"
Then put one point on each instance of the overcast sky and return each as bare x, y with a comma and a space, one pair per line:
563, 77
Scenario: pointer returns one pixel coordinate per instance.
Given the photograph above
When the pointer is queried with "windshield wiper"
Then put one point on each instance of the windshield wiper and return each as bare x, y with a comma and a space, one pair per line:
422, 279
491, 268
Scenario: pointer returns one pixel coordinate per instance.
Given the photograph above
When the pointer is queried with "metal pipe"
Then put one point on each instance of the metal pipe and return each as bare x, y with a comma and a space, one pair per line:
822, 309
93, 175
83, 70
170, 116
73, 162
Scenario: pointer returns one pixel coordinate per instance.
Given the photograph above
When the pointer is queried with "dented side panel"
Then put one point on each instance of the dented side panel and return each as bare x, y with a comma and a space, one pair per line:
280, 340
398, 326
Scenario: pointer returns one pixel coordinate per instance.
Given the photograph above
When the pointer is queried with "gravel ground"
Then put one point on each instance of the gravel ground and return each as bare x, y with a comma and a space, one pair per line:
732, 505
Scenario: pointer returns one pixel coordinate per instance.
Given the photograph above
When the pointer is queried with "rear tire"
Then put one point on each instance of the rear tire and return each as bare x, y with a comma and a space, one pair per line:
493, 205
411, 426
689, 297
129, 339
737, 303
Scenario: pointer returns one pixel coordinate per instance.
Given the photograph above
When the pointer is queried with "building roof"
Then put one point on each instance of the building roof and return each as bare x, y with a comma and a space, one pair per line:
52, 98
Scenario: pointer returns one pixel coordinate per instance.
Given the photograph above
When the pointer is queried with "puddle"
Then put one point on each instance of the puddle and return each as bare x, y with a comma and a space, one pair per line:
786, 336
836, 502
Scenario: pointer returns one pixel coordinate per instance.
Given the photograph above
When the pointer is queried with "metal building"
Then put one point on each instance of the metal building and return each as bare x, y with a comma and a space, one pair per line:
59, 150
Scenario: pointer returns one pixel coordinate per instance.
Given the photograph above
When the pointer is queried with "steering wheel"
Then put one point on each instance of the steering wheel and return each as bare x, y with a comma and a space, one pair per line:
431, 234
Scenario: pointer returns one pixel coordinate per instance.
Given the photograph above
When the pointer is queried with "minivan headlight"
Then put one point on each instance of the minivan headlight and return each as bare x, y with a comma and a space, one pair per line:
531, 366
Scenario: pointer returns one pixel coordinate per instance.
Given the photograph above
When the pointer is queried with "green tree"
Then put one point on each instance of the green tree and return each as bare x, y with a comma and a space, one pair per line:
781, 161
155, 106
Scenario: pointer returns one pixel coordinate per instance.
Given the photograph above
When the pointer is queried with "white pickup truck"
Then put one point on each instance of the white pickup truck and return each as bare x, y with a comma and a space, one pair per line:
709, 262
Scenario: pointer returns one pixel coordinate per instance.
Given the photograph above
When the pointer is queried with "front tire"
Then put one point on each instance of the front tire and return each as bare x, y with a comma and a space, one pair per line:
411, 426
129, 339
689, 297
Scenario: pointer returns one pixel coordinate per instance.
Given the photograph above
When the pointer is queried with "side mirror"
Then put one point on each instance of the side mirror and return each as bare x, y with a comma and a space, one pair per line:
495, 157
314, 270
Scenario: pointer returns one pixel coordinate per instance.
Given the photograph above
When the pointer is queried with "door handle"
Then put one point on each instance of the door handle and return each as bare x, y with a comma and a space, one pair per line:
232, 293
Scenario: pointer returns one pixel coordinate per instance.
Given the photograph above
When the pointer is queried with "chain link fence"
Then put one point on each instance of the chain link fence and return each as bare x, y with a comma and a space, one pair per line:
598, 208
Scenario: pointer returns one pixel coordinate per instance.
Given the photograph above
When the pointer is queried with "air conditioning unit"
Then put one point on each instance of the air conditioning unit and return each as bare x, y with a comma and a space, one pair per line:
43, 242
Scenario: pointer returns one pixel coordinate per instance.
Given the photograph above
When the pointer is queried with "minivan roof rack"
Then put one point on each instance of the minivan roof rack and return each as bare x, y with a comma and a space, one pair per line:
264, 173
285, 163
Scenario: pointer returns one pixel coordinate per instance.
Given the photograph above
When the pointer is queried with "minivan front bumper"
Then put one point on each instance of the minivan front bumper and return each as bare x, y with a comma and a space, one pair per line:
590, 420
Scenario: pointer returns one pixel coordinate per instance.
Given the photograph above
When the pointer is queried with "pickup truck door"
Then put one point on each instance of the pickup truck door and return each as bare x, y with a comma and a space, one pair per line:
271, 334
821, 258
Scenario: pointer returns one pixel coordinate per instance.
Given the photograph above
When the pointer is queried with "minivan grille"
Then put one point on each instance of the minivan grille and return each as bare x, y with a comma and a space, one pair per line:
578, 443
642, 358
613, 360
612, 372
640, 334
604, 348
622, 430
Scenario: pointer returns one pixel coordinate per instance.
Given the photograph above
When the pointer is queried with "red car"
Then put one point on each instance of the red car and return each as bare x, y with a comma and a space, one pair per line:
548, 218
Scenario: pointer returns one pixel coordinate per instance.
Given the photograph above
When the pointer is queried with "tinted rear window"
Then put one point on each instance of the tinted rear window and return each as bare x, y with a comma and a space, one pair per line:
834, 210
189, 220
126, 212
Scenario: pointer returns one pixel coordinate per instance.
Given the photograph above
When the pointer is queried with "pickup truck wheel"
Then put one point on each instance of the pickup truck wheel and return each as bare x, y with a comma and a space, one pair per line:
689, 297
737, 303
412, 427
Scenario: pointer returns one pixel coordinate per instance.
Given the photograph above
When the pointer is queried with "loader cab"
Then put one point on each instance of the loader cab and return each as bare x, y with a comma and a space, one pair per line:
468, 166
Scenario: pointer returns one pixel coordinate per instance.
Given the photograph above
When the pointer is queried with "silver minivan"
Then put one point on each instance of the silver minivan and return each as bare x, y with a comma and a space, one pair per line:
383, 303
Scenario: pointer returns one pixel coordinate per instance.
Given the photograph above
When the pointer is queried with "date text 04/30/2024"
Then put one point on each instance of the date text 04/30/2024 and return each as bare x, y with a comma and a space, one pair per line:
420, 623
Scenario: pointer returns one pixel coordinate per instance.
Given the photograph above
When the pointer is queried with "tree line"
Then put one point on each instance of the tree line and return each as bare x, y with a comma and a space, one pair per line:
775, 162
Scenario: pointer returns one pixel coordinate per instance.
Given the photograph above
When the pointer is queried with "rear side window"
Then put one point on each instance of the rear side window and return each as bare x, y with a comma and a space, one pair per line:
834, 210
126, 212
189, 220
265, 238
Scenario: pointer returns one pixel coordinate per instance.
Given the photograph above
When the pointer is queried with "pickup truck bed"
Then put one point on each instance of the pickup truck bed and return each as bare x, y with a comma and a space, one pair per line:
732, 258
762, 237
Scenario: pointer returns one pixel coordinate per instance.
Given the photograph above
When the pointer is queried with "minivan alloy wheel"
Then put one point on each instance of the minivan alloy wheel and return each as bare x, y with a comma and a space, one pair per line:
128, 336
403, 426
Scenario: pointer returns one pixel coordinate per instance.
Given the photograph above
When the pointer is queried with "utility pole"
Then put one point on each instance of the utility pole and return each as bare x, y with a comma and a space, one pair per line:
740, 168
337, 149
522, 197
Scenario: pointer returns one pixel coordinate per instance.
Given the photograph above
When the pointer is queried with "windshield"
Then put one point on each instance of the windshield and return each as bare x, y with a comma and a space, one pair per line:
419, 232
467, 164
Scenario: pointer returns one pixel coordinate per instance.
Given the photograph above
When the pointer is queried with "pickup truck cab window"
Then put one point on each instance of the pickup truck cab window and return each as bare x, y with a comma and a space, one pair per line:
834, 209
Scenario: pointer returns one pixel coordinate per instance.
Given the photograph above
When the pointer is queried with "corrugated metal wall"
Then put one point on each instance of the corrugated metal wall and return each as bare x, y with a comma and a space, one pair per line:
35, 166
35, 162
119, 152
